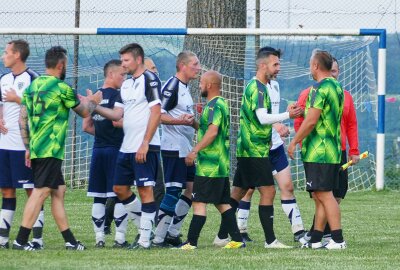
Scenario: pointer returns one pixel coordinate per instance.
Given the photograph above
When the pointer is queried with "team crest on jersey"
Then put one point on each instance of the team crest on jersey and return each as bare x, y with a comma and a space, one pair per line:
20, 85
167, 93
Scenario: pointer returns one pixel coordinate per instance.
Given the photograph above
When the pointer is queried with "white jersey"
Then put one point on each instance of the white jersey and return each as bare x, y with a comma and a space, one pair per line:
176, 100
138, 95
275, 97
13, 140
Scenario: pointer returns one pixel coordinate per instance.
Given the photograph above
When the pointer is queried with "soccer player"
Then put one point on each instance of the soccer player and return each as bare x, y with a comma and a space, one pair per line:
254, 142
178, 127
108, 137
281, 173
46, 104
348, 131
138, 157
211, 183
321, 148
13, 172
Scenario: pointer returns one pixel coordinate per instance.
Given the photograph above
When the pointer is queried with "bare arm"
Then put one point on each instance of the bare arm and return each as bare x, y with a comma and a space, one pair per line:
88, 104
24, 129
88, 125
306, 127
208, 138
3, 129
111, 114
152, 125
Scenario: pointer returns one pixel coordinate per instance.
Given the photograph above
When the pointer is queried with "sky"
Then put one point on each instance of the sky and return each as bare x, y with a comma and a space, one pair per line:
172, 13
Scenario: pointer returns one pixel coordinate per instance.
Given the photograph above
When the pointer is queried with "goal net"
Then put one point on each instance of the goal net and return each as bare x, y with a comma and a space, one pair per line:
234, 57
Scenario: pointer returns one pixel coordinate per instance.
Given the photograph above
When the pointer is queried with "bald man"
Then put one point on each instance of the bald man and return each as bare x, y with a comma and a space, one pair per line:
211, 182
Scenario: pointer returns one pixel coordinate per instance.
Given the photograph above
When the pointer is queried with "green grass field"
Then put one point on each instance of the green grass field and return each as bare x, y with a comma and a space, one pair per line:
371, 224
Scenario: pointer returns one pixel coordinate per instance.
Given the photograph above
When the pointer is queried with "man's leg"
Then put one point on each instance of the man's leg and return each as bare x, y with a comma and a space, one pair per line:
37, 229
131, 203
98, 219
197, 223
243, 213
288, 201
31, 213
110, 204
181, 210
121, 224
8, 207
148, 214
228, 218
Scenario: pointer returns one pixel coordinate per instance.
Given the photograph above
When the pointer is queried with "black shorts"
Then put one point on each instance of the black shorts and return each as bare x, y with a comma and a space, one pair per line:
253, 172
47, 173
321, 176
343, 180
211, 190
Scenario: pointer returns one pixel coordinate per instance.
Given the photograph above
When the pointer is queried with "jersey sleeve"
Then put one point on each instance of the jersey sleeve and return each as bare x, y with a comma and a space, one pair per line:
351, 127
169, 96
153, 87
68, 96
215, 115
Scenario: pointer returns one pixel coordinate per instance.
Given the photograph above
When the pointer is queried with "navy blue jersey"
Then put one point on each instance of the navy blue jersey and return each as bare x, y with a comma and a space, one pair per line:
105, 133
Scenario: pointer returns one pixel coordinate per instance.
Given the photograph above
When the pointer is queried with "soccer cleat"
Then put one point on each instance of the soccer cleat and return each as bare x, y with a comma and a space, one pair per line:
234, 244
317, 245
174, 241
120, 245
297, 237
26, 247
187, 246
100, 244
6, 245
220, 242
306, 238
246, 237
136, 245
276, 244
36, 245
334, 245
159, 245
78, 246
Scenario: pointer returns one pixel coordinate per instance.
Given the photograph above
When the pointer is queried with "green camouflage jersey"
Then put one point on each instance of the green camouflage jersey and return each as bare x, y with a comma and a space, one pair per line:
213, 161
48, 101
254, 139
323, 144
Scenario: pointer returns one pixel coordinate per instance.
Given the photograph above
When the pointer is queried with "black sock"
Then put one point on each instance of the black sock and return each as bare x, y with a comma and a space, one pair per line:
337, 236
266, 214
327, 229
23, 235
68, 236
195, 227
110, 204
229, 219
316, 236
223, 231
312, 226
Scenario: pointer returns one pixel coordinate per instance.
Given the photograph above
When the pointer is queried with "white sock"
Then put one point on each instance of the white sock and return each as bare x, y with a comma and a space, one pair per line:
121, 222
293, 213
6, 220
242, 217
181, 210
134, 210
146, 224
37, 229
98, 218
164, 221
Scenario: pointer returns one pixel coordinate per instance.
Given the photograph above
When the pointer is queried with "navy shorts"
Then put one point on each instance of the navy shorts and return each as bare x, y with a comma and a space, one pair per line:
176, 172
102, 170
128, 172
278, 159
13, 172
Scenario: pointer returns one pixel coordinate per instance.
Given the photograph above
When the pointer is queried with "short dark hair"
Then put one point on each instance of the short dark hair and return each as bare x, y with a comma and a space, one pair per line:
21, 46
110, 64
54, 55
335, 60
324, 59
133, 48
265, 52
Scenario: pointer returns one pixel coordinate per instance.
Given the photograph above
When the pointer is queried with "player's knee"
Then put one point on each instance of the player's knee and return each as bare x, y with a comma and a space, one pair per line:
171, 198
119, 190
8, 192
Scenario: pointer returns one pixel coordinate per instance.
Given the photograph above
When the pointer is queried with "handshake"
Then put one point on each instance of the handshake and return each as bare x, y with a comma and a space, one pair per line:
295, 110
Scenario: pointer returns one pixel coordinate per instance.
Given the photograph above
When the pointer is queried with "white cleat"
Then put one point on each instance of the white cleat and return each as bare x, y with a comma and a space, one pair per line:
276, 244
221, 242
318, 245
333, 245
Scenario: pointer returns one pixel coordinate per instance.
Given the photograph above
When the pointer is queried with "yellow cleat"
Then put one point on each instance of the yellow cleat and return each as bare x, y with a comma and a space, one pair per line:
187, 246
234, 244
